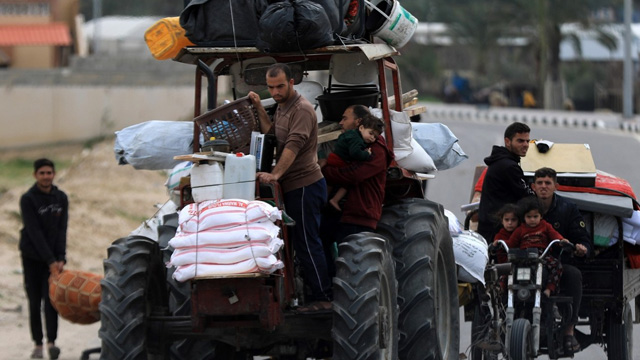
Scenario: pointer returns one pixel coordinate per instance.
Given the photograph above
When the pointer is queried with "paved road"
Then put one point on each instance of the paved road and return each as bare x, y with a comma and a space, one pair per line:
613, 151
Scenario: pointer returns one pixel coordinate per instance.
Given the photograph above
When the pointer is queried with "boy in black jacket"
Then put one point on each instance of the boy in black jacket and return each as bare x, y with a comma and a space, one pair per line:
43, 241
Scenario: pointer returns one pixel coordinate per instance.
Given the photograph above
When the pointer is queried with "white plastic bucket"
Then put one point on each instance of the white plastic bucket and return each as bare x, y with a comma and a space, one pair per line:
206, 181
240, 177
398, 26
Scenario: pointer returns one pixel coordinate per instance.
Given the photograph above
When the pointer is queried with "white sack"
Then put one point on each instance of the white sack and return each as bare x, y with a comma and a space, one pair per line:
216, 255
418, 160
183, 169
472, 255
263, 265
455, 227
151, 145
225, 213
630, 229
261, 232
401, 130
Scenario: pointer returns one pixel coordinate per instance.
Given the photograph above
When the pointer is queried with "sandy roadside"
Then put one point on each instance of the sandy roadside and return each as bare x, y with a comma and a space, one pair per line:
107, 201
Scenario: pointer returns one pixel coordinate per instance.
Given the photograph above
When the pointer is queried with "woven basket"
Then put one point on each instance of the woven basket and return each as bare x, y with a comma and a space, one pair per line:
233, 122
76, 296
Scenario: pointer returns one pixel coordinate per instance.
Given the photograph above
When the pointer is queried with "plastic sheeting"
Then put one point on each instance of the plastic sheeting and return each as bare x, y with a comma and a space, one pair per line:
151, 145
440, 143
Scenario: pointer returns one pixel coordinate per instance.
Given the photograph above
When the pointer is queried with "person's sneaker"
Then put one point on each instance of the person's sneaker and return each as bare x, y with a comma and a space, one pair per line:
37, 353
54, 352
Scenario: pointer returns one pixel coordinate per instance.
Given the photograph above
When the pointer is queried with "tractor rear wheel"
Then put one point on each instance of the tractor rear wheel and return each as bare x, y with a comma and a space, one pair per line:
365, 310
427, 281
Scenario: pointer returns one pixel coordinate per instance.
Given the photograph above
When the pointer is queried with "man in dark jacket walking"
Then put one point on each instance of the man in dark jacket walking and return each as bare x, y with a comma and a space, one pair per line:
504, 181
43, 241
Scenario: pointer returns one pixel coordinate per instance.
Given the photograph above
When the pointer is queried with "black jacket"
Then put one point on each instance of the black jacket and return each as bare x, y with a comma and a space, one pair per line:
44, 217
565, 217
503, 183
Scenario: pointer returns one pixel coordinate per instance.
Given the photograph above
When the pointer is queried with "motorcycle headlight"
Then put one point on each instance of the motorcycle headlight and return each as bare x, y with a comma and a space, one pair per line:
523, 274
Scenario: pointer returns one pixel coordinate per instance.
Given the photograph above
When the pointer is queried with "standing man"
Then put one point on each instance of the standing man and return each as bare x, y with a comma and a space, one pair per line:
565, 218
305, 191
504, 181
43, 241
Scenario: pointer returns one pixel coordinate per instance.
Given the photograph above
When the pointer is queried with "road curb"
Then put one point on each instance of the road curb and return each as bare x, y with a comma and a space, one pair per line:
534, 117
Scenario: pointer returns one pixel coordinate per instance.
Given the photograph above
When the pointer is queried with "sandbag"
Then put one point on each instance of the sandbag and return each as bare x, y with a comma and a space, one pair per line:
263, 265
260, 232
76, 295
471, 255
222, 22
287, 26
151, 145
215, 255
226, 213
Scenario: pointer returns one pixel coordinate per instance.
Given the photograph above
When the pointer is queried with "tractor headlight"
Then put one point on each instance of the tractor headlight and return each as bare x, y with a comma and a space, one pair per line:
523, 274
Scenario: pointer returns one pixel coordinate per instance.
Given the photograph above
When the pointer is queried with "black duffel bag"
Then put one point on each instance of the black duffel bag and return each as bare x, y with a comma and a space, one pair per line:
294, 26
222, 23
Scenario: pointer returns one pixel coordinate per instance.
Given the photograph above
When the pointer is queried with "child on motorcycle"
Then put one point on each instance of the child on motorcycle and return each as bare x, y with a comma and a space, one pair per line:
508, 215
535, 232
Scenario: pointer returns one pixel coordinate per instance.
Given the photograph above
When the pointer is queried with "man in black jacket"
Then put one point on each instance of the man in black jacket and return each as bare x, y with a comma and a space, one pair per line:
504, 181
565, 217
43, 241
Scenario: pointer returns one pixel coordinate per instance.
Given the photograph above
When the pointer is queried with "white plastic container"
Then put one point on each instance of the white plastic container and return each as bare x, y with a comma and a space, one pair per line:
399, 26
207, 181
240, 177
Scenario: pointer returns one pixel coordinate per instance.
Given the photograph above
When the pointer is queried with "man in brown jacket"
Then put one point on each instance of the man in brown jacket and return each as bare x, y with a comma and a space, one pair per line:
305, 191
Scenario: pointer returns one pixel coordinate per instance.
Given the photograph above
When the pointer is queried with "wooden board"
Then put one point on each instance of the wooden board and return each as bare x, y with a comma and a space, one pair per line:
201, 156
563, 158
573, 163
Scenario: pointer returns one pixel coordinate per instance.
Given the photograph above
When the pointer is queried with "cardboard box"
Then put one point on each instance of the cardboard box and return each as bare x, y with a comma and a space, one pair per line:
573, 163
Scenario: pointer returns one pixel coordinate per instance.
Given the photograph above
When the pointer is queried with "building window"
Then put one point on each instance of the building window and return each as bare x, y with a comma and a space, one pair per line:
25, 9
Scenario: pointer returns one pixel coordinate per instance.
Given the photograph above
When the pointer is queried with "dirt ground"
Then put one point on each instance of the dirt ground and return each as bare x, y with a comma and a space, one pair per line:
107, 201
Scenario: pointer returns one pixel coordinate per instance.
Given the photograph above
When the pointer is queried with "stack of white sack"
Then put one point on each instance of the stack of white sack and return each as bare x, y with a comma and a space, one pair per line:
225, 237
470, 250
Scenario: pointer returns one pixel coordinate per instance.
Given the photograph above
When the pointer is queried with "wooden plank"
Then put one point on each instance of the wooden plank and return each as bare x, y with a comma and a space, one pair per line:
328, 136
197, 157
405, 97
411, 102
415, 110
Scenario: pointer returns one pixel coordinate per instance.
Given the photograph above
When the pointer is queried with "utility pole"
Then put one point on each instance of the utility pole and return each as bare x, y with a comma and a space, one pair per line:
97, 15
543, 61
627, 84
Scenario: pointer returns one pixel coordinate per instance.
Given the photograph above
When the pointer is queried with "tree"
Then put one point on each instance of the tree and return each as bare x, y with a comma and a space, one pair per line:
481, 24
548, 17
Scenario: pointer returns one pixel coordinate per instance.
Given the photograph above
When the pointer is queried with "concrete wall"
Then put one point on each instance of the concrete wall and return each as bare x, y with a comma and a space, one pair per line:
36, 115
33, 57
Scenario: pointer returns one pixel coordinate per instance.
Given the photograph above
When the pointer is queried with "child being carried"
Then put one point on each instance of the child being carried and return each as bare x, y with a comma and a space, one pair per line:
354, 145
